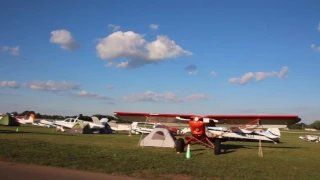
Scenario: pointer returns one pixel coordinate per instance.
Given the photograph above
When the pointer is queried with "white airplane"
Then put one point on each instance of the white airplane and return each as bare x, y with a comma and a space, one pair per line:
26, 121
271, 134
31, 120
135, 127
70, 122
311, 138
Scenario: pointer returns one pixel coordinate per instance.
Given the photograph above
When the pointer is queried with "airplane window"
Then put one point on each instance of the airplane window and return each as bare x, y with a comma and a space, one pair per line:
67, 120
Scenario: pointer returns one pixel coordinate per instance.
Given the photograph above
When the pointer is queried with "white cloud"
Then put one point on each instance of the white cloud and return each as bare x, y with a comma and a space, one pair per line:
114, 27
243, 80
258, 76
123, 65
133, 46
52, 85
233, 80
313, 46
163, 97
163, 48
15, 51
283, 73
9, 84
154, 26
109, 64
316, 48
86, 94
64, 39
5, 48
193, 72
195, 97
152, 96
146, 96
110, 87
213, 73
262, 75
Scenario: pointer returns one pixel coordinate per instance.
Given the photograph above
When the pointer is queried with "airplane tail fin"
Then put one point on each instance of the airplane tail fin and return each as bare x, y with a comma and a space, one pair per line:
31, 117
96, 120
274, 131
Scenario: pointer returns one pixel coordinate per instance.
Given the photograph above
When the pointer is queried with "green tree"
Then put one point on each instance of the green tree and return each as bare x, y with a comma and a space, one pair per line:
315, 125
15, 113
298, 126
38, 115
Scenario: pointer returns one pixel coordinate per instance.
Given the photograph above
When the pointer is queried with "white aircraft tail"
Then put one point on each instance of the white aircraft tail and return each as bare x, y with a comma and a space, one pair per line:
27, 121
274, 131
96, 120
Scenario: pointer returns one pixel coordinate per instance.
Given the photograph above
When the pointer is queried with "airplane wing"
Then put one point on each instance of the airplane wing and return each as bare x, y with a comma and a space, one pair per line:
128, 117
265, 121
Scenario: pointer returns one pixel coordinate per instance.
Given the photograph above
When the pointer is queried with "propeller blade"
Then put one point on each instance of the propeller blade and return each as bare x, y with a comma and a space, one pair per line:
207, 120
183, 119
214, 120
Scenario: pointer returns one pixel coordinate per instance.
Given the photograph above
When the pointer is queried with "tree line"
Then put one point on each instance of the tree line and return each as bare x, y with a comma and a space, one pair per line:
314, 125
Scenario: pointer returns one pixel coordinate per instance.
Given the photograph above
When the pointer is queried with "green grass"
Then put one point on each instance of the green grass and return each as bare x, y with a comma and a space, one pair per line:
120, 154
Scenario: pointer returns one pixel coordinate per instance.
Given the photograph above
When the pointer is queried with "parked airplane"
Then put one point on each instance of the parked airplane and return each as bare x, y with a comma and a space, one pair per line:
30, 120
26, 121
134, 127
311, 138
68, 123
270, 134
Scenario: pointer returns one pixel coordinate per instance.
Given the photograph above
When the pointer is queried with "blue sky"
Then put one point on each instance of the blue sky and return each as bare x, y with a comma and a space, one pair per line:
208, 57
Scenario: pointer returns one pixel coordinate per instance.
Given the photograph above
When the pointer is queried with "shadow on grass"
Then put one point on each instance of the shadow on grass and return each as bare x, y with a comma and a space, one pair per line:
276, 147
230, 148
225, 149
26, 132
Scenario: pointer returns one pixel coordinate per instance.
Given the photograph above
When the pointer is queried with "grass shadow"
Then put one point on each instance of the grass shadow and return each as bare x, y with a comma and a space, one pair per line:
230, 148
275, 147
26, 132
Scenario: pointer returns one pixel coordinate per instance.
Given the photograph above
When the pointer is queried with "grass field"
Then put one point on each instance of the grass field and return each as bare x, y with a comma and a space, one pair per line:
120, 154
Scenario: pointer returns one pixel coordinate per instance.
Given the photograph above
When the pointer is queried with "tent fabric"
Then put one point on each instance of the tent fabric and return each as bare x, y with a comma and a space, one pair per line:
80, 128
8, 120
159, 137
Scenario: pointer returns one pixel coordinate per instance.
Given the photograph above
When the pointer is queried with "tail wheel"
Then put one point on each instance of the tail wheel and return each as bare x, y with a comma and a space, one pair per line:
180, 145
217, 146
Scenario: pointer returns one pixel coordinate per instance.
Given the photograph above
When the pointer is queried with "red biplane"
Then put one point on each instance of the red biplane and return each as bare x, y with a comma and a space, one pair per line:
198, 125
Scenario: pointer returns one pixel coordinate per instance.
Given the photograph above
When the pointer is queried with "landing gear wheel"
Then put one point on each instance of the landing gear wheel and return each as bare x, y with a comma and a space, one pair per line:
217, 146
180, 145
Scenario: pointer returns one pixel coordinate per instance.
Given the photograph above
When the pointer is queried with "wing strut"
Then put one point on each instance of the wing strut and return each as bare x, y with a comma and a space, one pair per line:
145, 124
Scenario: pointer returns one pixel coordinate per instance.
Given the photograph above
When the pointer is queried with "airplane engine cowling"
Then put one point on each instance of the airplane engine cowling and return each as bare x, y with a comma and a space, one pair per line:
197, 127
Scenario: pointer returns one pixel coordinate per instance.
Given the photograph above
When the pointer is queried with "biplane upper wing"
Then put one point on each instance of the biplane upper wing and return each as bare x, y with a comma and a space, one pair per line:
263, 121
151, 117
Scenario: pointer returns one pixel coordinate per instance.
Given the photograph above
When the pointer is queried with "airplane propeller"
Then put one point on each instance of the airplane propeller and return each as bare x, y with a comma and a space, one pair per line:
204, 119
183, 119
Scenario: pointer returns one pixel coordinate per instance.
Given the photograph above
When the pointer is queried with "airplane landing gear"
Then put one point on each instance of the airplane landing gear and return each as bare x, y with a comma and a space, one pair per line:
217, 146
180, 145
